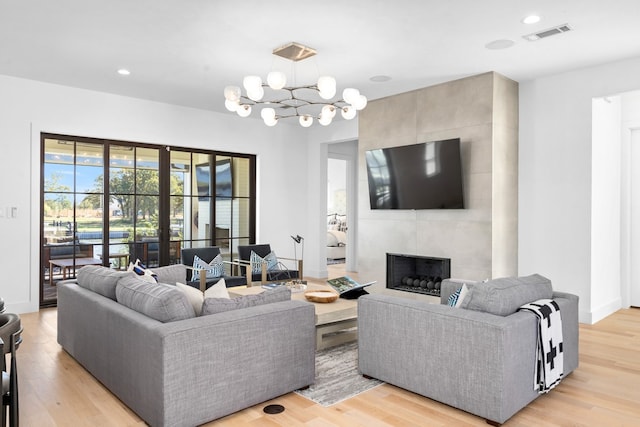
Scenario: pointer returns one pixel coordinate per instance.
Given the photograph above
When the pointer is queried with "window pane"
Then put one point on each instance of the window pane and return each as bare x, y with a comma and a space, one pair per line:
120, 226
147, 181
147, 216
201, 177
58, 207
58, 177
176, 217
58, 165
180, 176
241, 177
223, 176
89, 231
201, 226
121, 180
223, 216
89, 168
241, 217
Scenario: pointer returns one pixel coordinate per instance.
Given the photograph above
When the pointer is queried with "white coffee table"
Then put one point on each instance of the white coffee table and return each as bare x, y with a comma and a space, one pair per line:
336, 322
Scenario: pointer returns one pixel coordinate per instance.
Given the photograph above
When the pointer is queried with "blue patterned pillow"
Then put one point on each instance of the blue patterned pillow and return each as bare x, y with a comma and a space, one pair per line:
141, 270
256, 262
453, 298
213, 270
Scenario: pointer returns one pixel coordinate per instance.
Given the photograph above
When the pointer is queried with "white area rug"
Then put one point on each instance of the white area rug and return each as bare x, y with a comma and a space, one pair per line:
337, 376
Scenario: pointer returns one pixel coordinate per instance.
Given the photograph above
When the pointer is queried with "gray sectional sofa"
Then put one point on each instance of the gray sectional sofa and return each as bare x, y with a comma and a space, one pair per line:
182, 370
479, 357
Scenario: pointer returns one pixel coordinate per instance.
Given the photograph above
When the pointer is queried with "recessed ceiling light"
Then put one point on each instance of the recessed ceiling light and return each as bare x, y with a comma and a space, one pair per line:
531, 19
124, 72
380, 79
499, 44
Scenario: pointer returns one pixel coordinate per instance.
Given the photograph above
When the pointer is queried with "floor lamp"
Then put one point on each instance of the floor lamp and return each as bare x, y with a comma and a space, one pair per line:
297, 239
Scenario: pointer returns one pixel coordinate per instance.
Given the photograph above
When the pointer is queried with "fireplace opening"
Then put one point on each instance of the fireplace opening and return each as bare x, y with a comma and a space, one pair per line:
418, 274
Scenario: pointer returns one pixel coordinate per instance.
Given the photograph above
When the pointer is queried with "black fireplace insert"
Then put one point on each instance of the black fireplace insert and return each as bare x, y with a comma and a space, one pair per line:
418, 274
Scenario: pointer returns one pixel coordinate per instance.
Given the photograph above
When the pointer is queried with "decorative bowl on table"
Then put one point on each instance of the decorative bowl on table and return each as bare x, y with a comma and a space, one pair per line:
297, 285
321, 296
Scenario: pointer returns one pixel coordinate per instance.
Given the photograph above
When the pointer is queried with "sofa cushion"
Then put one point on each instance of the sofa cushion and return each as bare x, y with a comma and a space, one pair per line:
219, 305
159, 301
171, 274
505, 295
99, 279
196, 297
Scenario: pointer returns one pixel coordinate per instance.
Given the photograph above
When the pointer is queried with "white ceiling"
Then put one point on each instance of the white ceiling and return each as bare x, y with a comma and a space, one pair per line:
186, 51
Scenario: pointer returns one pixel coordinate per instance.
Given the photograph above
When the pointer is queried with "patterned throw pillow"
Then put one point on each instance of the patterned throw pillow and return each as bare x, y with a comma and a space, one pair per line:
213, 270
453, 298
141, 270
256, 262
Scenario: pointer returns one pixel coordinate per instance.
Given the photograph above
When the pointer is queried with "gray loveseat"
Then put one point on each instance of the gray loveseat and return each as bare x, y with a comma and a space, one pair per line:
183, 372
479, 362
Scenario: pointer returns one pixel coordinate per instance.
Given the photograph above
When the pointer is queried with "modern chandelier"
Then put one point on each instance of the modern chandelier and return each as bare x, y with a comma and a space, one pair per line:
314, 101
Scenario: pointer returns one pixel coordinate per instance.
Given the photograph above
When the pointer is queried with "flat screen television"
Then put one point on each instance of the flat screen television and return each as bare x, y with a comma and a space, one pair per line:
420, 176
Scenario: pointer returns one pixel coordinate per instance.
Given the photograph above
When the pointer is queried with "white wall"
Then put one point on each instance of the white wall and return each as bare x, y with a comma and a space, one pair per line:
630, 290
555, 179
28, 108
348, 152
315, 258
605, 207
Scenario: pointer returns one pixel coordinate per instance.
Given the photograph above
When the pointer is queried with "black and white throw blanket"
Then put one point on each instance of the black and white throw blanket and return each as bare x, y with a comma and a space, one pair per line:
550, 358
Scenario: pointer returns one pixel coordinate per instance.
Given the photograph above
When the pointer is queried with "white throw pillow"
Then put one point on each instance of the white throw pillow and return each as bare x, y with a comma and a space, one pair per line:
196, 296
463, 293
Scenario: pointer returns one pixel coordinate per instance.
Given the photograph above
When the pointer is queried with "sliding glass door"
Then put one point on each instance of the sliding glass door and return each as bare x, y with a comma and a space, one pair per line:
212, 199
154, 202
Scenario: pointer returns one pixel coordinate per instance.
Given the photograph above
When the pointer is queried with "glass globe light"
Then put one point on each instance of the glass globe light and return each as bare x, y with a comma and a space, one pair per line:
350, 95
256, 94
324, 120
271, 122
306, 121
251, 83
348, 112
268, 113
328, 111
232, 93
244, 110
231, 105
276, 80
360, 103
326, 87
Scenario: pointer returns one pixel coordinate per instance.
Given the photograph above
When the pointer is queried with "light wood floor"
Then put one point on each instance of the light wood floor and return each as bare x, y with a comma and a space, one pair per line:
603, 391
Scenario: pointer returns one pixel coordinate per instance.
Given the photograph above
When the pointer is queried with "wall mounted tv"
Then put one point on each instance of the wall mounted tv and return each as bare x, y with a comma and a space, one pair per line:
420, 176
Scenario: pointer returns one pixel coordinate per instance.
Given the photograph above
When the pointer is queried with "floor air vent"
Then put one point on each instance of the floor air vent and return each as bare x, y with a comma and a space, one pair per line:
547, 33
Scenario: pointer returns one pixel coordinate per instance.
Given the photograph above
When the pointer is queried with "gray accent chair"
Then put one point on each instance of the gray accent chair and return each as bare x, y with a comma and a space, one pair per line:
183, 372
475, 361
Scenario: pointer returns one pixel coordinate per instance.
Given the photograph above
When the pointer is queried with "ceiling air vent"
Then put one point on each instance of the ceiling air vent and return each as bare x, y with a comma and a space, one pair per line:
547, 33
